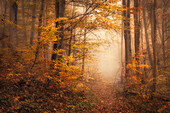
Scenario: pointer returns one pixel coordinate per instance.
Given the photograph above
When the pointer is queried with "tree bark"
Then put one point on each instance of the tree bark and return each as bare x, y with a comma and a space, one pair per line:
39, 33
147, 36
84, 50
127, 38
129, 32
55, 46
13, 18
23, 21
137, 29
3, 36
122, 64
163, 32
127, 35
33, 22
153, 30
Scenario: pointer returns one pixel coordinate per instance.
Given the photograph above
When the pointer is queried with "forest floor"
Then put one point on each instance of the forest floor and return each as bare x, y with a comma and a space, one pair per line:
109, 100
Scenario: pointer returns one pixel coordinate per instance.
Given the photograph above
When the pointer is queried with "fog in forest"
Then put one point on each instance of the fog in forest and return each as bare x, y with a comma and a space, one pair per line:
108, 55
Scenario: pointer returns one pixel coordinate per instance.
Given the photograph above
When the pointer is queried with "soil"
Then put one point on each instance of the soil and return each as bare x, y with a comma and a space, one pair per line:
110, 101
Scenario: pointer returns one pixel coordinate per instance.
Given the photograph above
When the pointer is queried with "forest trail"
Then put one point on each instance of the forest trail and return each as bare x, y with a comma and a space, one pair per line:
109, 100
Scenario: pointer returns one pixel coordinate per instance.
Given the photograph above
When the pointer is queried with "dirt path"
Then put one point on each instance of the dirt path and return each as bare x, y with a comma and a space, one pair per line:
110, 101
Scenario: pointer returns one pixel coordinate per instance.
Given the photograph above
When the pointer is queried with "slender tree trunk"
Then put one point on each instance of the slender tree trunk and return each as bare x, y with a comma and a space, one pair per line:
122, 64
125, 37
165, 38
39, 33
74, 42
137, 34
126, 45
147, 36
33, 22
153, 29
84, 50
143, 76
72, 33
70, 43
137, 29
60, 10
163, 35
3, 36
128, 32
13, 18
84, 40
46, 46
55, 46
40, 18
61, 13
23, 21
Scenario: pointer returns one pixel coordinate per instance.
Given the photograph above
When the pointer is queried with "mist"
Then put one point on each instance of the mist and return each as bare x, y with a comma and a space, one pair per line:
108, 56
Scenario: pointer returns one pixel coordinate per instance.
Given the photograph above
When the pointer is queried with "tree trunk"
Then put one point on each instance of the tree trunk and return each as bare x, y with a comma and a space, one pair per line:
58, 45
137, 29
33, 22
72, 37
127, 38
55, 46
128, 32
122, 64
23, 21
163, 32
153, 30
147, 36
61, 13
3, 36
84, 50
70, 43
13, 18
39, 33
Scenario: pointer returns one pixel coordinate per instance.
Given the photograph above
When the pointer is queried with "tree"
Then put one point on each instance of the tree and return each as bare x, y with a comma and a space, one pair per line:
127, 37
153, 28
3, 17
39, 33
137, 29
59, 10
23, 20
146, 34
33, 22
13, 18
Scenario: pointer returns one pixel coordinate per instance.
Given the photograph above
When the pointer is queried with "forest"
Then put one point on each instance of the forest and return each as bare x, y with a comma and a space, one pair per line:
49, 51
